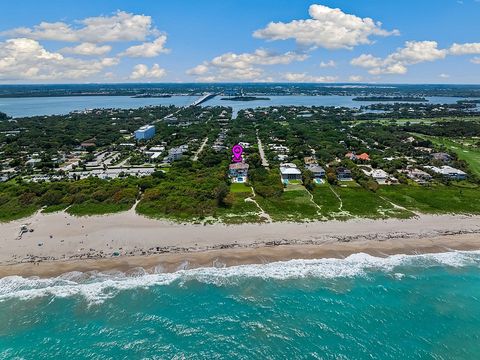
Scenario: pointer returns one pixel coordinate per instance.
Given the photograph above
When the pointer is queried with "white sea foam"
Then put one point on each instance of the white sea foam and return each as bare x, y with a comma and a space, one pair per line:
97, 287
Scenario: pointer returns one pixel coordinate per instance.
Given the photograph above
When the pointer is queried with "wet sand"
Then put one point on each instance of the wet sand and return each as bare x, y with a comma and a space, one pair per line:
62, 243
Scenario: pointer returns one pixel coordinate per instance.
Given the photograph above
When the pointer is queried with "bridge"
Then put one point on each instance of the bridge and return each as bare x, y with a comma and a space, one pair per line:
204, 98
197, 102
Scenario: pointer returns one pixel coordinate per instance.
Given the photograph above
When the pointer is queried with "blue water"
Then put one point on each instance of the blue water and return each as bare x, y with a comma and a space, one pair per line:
362, 307
38, 106
330, 100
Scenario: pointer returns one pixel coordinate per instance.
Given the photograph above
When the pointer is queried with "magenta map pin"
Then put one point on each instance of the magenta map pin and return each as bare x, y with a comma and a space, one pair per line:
237, 151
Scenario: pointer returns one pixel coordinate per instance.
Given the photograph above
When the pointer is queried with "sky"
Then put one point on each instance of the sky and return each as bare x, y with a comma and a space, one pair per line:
297, 41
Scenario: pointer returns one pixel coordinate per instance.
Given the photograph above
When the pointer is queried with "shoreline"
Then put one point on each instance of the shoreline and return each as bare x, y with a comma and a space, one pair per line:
63, 243
172, 262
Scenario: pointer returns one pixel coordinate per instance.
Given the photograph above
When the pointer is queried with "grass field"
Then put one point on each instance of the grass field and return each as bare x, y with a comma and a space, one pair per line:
358, 201
13, 210
326, 199
91, 208
293, 205
240, 188
467, 153
241, 211
435, 200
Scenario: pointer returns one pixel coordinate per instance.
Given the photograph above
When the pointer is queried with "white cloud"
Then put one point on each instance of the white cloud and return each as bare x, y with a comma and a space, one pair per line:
89, 49
226, 74
245, 66
306, 78
198, 70
259, 57
465, 49
355, 78
141, 71
27, 59
328, 64
148, 49
476, 60
121, 26
328, 28
414, 52
444, 76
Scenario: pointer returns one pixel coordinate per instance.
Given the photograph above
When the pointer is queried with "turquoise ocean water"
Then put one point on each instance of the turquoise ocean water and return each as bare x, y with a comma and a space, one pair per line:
361, 307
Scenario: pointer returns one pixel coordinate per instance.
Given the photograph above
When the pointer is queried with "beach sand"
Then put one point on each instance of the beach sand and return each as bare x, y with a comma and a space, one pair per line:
62, 243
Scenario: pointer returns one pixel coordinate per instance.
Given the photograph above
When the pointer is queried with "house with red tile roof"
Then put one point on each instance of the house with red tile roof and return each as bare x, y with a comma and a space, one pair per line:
364, 157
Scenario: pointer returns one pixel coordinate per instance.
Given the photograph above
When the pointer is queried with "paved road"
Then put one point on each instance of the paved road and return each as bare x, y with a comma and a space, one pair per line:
200, 149
262, 153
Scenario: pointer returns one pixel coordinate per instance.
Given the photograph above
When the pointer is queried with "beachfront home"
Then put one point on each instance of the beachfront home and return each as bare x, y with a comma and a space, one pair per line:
238, 172
343, 174
290, 172
318, 171
379, 176
448, 172
419, 176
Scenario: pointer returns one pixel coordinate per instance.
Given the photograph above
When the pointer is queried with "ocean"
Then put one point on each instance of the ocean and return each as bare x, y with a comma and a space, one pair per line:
361, 307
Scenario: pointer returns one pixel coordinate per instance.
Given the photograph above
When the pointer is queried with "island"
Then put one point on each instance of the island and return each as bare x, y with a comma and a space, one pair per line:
245, 98
147, 96
391, 98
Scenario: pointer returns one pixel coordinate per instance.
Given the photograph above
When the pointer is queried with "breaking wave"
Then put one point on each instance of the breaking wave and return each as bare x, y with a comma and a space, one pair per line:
96, 287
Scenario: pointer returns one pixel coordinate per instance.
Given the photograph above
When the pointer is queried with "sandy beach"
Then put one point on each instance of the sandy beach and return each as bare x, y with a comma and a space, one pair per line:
61, 243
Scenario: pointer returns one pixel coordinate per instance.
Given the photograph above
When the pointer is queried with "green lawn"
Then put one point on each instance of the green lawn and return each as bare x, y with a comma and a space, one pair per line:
240, 211
435, 200
364, 203
293, 205
326, 199
14, 210
240, 188
92, 208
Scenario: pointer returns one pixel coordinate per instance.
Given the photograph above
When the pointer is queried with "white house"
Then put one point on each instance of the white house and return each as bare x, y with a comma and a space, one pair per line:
449, 172
289, 172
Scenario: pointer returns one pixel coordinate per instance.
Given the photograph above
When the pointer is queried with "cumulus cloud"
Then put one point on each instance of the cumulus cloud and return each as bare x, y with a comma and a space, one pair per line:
245, 66
355, 78
328, 28
328, 64
259, 57
148, 49
88, 49
306, 78
414, 52
27, 59
465, 49
198, 70
121, 26
141, 71
226, 74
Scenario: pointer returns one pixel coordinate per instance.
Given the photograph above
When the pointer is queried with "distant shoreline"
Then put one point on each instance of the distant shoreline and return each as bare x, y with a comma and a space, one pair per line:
126, 241
245, 98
